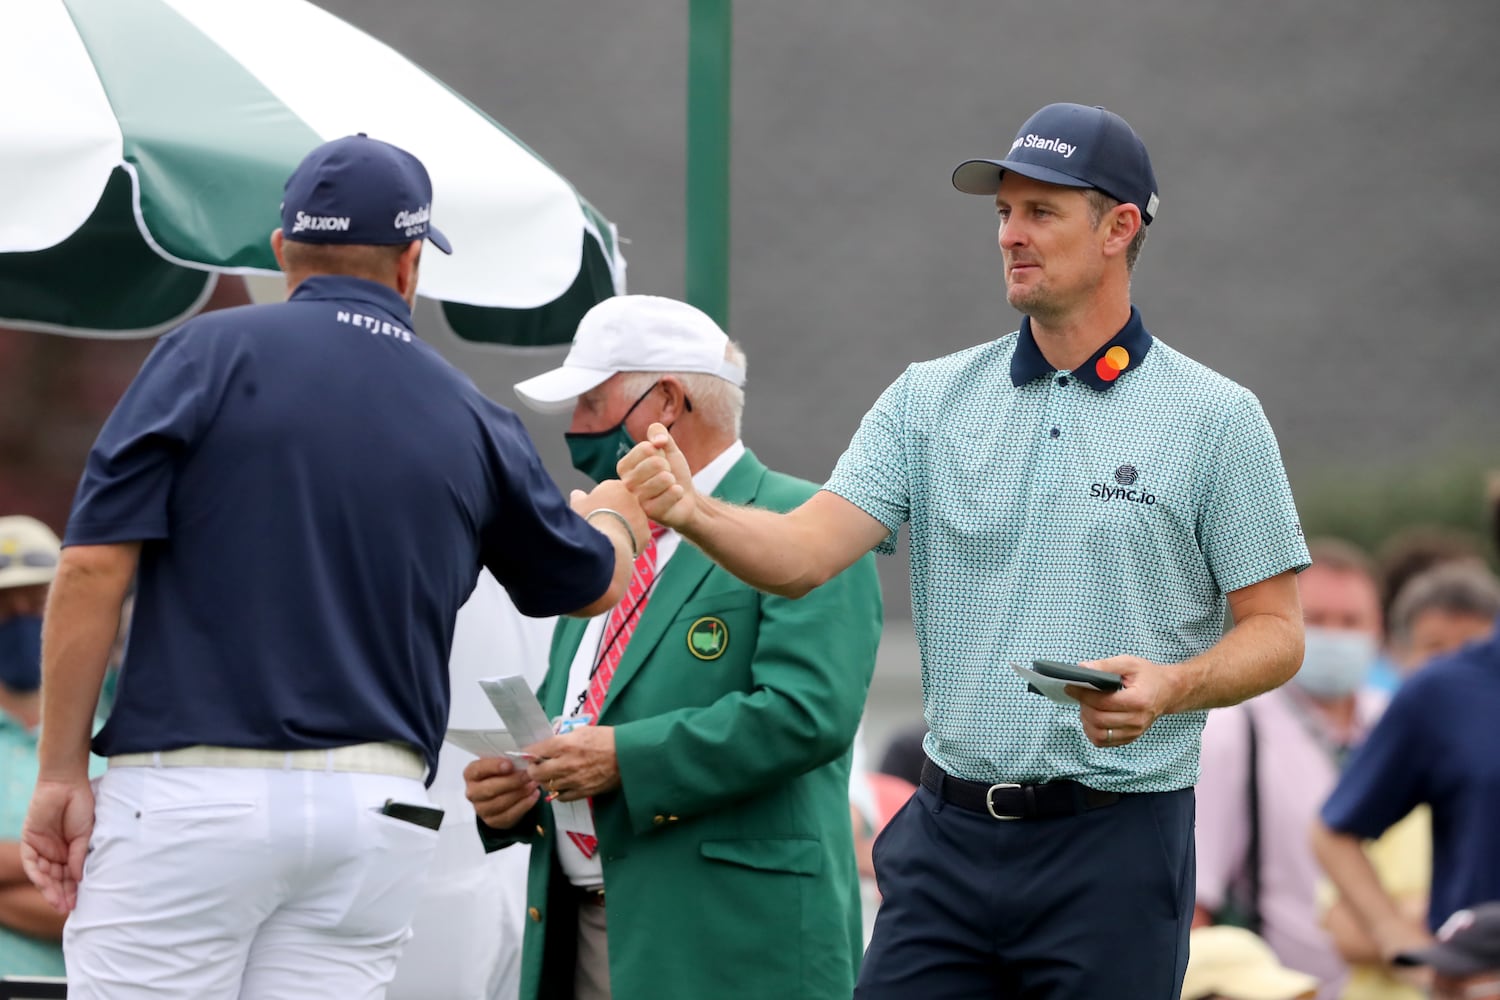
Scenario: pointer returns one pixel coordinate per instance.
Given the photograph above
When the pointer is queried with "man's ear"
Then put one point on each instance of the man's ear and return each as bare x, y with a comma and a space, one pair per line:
277, 240
408, 267
674, 399
1122, 223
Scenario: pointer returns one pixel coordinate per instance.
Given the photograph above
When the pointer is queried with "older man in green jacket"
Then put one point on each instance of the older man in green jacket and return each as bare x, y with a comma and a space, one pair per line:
714, 720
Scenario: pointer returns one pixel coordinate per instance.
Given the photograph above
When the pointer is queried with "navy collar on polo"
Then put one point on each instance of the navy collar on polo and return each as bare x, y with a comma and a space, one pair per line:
338, 286
1124, 351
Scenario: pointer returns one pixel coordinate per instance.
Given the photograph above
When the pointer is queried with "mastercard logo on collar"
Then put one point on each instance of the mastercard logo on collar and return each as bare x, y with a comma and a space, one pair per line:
1115, 361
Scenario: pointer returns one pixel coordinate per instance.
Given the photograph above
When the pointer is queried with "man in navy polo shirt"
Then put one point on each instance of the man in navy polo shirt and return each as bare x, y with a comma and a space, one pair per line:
305, 493
1076, 491
1436, 743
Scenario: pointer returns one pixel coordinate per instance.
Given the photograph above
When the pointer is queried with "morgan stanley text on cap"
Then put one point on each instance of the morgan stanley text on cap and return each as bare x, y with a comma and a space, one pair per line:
1074, 146
359, 190
632, 333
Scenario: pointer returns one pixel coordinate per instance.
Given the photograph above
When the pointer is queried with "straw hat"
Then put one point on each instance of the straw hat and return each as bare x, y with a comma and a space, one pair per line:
28, 552
1234, 963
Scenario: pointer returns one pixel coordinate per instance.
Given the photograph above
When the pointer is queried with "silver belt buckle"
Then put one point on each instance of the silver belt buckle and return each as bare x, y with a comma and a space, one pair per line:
989, 799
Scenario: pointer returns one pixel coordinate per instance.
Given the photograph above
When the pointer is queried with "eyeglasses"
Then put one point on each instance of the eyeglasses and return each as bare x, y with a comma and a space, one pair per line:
31, 560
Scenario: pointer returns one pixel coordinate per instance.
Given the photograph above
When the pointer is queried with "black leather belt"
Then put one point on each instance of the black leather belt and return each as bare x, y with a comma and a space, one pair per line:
1012, 801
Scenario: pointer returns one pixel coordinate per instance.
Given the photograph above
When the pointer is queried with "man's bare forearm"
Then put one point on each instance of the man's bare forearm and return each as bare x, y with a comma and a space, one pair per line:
785, 554
23, 910
761, 547
1255, 656
1262, 651
82, 620
11, 872
1349, 869
1349, 936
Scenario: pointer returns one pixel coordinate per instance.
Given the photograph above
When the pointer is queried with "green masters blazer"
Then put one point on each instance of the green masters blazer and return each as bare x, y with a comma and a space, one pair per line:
727, 851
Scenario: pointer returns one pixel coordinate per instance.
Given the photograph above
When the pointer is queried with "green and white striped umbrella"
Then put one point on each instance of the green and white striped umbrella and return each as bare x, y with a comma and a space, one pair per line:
144, 144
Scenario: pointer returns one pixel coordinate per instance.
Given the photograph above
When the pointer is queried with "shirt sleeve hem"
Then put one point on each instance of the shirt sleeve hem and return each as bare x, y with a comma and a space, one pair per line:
888, 545
1340, 822
1252, 577
559, 602
106, 533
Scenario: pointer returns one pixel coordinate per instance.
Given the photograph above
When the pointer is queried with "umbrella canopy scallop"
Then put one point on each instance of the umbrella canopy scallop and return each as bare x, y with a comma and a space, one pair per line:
144, 145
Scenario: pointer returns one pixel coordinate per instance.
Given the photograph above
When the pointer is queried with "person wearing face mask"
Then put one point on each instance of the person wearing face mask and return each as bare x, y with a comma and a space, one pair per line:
1438, 611
714, 722
1268, 765
30, 930
1437, 744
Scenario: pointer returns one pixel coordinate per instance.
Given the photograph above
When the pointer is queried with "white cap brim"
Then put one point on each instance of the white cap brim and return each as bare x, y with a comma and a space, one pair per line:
26, 576
557, 390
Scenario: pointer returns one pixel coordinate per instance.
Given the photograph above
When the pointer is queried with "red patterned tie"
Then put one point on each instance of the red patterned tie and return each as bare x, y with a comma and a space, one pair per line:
622, 622
617, 631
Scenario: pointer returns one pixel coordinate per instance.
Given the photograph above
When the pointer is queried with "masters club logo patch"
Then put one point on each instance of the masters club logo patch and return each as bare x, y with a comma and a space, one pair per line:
707, 638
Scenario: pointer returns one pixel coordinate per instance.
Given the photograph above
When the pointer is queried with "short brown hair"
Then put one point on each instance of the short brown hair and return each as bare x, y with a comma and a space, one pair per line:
1099, 203
1418, 549
1340, 556
1458, 587
357, 260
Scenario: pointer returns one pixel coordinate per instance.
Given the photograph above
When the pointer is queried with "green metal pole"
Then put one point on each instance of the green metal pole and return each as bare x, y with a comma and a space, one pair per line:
710, 31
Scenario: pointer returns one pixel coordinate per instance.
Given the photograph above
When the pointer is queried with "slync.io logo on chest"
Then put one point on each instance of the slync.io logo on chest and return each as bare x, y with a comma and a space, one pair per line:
1126, 477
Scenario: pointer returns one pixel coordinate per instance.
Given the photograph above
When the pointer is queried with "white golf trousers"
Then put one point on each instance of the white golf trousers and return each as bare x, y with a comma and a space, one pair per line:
219, 882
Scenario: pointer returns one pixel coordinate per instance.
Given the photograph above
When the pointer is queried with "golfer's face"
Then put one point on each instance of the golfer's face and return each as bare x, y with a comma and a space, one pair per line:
1053, 252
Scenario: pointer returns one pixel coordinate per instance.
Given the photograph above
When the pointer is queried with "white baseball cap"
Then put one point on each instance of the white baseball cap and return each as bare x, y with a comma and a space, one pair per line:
28, 552
632, 333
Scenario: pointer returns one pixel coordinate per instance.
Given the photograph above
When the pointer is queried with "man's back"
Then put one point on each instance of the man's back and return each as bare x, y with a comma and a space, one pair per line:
302, 496
1437, 743
330, 480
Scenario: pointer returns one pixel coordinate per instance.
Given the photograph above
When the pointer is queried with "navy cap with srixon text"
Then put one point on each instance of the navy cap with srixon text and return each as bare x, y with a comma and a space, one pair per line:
1075, 146
359, 190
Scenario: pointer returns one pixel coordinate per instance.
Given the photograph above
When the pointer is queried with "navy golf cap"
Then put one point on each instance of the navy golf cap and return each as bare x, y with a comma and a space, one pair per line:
359, 190
1075, 146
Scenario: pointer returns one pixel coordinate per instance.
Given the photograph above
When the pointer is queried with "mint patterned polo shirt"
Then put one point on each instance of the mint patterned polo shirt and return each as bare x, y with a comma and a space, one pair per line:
1068, 515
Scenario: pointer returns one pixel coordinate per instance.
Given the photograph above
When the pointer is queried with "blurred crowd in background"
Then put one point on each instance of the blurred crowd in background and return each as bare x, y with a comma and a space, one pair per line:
1359, 748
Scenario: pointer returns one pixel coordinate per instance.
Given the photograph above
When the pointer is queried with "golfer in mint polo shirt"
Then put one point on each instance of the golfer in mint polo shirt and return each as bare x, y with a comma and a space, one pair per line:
1076, 490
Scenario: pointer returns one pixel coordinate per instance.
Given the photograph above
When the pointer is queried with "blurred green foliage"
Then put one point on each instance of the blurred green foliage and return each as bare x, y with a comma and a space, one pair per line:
1369, 505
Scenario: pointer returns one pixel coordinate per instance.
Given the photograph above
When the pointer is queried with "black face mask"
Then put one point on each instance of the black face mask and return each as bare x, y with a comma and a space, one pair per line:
21, 653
